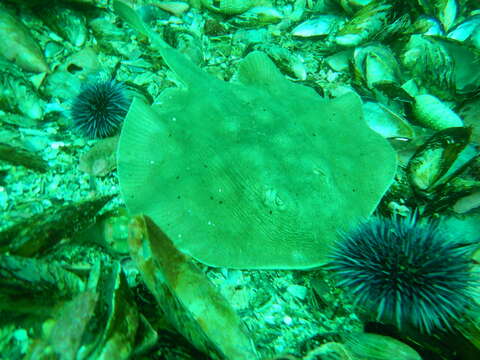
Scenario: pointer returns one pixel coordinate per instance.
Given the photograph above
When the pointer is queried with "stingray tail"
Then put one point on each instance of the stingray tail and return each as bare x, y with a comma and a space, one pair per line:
187, 71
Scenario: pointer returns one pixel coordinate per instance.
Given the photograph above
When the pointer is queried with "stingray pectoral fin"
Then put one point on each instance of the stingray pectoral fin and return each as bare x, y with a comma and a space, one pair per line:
257, 69
143, 129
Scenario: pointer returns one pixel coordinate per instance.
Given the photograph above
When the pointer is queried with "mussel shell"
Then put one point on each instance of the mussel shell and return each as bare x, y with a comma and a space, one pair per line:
432, 113
376, 65
18, 45
365, 24
378, 347
446, 67
466, 61
444, 10
434, 158
431, 65
386, 122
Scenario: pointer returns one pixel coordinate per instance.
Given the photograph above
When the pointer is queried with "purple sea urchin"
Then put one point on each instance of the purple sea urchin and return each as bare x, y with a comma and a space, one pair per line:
98, 111
406, 272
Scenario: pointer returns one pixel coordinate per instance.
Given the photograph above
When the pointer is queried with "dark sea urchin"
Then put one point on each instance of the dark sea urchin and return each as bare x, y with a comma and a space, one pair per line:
406, 272
98, 111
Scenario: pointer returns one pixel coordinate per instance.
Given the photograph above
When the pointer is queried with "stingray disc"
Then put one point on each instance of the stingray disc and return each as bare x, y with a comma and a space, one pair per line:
258, 174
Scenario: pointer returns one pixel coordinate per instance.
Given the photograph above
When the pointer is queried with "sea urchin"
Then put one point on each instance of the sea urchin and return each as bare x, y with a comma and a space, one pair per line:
98, 111
406, 272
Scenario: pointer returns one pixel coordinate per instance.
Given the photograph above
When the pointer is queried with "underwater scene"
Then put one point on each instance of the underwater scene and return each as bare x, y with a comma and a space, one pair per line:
240, 180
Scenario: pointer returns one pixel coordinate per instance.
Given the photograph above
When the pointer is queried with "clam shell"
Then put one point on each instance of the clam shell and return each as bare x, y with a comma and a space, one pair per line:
190, 302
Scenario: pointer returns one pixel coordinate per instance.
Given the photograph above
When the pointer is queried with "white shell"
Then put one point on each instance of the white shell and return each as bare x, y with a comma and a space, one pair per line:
385, 122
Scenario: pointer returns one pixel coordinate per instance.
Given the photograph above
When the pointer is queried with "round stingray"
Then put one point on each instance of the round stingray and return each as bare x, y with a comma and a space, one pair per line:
258, 174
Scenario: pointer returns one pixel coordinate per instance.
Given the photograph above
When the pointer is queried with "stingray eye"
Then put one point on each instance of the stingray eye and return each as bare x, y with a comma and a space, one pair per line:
272, 200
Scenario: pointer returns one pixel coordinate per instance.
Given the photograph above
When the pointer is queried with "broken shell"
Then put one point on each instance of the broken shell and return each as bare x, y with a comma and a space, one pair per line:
376, 66
231, 7
17, 44
386, 122
432, 113
366, 23
82, 64
289, 63
322, 25
434, 158
258, 16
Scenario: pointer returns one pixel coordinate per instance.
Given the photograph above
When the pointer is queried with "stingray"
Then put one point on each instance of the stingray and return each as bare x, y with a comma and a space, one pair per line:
258, 174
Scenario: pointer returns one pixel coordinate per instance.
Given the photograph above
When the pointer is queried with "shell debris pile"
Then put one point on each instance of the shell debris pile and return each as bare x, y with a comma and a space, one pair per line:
249, 103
